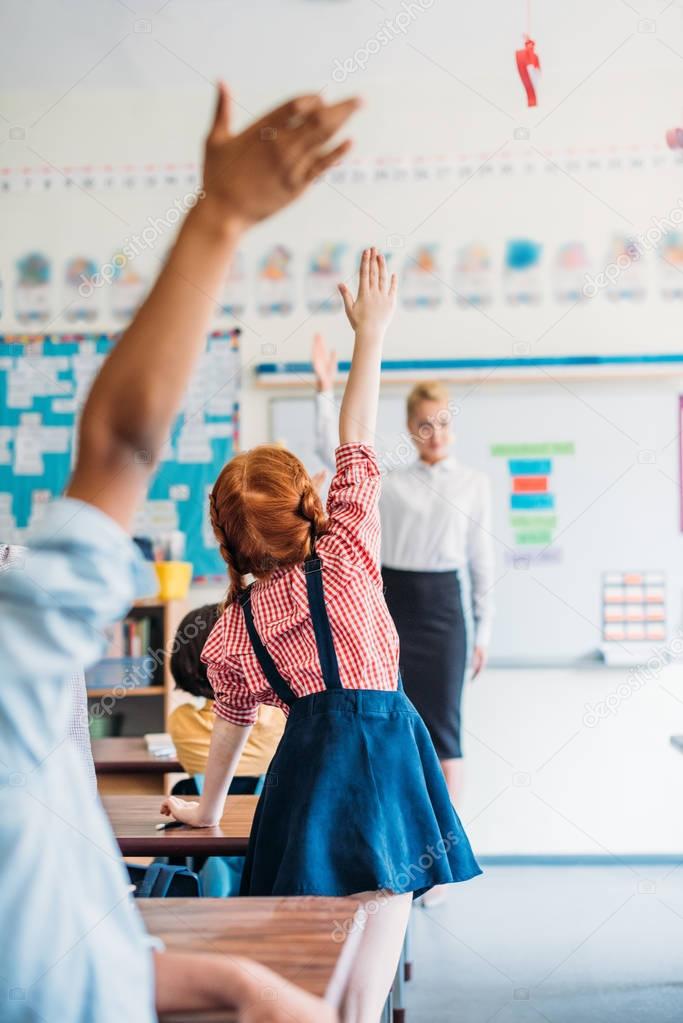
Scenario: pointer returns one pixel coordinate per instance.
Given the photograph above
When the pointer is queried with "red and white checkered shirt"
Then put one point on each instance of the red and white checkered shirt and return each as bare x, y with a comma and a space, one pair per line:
364, 635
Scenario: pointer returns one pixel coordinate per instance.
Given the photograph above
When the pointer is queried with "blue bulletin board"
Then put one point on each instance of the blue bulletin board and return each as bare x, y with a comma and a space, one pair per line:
43, 384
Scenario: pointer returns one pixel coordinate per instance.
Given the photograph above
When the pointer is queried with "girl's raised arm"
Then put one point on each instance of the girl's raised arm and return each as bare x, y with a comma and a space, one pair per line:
369, 315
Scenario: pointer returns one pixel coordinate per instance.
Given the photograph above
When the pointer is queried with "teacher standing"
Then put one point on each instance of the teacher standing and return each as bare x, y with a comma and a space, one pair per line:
436, 530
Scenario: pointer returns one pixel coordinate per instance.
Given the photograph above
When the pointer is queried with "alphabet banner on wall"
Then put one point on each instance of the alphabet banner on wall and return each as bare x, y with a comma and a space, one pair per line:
493, 273
519, 159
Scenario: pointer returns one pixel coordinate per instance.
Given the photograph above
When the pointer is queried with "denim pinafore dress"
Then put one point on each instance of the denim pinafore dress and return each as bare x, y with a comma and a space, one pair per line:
354, 799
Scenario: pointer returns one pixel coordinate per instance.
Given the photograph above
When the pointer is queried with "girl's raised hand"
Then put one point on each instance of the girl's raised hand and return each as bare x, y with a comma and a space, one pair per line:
373, 307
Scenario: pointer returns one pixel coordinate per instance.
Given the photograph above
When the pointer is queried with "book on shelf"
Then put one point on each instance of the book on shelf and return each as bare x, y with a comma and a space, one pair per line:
129, 638
160, 744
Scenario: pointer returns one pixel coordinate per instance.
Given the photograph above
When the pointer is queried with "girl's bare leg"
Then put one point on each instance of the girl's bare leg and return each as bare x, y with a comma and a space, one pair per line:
453, 771
377, 958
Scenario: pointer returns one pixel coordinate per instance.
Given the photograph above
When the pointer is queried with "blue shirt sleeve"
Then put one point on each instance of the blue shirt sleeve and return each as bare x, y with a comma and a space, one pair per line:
79, 574
78, 950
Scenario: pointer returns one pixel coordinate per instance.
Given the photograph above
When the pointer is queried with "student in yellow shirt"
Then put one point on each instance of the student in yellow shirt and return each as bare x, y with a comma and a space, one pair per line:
191, 724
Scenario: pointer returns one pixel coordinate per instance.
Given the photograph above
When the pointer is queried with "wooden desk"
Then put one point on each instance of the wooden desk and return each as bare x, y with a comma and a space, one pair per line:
123, 756
297, 937
126, 765
133, 818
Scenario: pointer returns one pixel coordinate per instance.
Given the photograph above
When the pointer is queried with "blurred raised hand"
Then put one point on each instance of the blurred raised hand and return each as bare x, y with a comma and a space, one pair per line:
318, 479
324, 364
253, 174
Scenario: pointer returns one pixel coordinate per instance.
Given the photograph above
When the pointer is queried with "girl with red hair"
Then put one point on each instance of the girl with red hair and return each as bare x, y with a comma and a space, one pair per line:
354, 801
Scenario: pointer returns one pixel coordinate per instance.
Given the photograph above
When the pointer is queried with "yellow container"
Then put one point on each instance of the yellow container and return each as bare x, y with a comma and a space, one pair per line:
174, 579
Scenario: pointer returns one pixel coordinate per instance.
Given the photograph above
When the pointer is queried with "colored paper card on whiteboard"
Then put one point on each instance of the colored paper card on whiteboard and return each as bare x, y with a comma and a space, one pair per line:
534, 538
529, 467
535, 521
523, 501
531, 497
532, 449
530, 484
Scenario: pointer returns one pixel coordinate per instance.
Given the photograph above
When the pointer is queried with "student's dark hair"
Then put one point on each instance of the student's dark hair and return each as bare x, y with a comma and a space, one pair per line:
187, 669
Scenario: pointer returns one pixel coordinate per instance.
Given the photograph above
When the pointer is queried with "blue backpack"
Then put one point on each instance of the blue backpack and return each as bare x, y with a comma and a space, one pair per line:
161, 881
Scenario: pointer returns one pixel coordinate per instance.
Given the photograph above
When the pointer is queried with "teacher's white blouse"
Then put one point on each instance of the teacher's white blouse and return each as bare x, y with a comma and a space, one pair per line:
435, 518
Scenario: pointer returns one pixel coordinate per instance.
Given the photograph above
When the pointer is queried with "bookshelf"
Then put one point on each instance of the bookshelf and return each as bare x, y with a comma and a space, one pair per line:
129, 689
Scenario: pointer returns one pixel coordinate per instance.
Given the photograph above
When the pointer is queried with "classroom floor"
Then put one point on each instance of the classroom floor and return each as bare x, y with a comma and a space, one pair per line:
524, 944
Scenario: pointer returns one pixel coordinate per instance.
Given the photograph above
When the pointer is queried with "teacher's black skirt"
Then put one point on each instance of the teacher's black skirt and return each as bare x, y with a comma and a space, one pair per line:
427, 611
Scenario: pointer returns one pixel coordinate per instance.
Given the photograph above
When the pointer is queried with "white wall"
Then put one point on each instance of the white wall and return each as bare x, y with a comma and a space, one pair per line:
543, 777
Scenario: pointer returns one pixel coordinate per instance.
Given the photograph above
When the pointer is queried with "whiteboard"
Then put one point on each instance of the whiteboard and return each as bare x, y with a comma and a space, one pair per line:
614, 479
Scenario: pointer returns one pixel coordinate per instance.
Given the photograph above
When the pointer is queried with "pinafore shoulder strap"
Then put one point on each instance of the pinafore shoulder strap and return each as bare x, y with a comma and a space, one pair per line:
321, 627
268, 667
329, 664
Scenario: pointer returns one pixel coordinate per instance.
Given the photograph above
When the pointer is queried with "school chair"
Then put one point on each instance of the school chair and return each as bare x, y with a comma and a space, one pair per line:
220, 876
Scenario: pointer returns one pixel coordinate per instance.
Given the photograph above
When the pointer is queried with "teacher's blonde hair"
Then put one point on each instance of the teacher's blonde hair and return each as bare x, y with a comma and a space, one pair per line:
426, 390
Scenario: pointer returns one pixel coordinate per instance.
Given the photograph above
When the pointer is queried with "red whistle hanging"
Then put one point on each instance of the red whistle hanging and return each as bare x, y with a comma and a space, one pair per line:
674, 138
527, 59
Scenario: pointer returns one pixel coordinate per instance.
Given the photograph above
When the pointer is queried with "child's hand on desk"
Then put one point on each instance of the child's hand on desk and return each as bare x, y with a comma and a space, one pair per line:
248, 177
271, 999
186, 810
374, 306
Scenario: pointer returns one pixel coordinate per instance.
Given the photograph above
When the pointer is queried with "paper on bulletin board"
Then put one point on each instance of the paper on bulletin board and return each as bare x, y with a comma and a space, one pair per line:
42, 389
